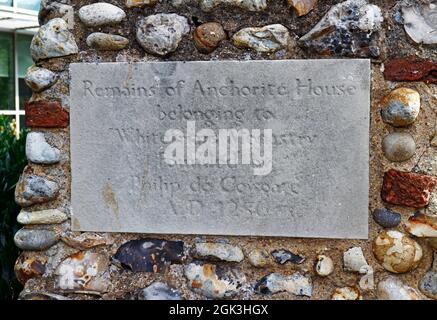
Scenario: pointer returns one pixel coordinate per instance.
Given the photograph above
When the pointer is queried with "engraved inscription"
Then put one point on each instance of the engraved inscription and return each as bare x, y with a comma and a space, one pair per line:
272, 148
230, 89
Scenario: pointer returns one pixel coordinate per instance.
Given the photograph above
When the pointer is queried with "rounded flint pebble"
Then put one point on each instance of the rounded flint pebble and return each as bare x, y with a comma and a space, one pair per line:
386, 218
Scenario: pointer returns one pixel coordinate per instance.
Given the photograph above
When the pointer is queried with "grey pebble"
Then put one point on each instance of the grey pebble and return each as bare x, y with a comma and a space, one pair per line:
159, 291
398, 146
35, 239
386, 218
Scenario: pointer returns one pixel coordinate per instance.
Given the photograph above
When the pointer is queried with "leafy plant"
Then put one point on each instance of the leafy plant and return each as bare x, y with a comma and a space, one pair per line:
12, 162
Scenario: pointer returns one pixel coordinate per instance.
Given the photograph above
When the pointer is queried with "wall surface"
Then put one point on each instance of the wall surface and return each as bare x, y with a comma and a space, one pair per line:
57, 263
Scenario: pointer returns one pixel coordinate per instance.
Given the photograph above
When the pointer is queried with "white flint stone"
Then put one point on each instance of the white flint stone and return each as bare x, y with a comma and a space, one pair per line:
83, 272
101, 14
391, 288
422, 225
221, 251
420, 22
367, 282
297, 284
161, 33
213, 281
324, 265
53, 40
39, 151
39, 79
159, 291
354, 259
370, 18
269, 38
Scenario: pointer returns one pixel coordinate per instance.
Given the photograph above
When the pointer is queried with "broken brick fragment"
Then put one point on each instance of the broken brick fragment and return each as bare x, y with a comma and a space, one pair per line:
411, 69
46, 114
407, 188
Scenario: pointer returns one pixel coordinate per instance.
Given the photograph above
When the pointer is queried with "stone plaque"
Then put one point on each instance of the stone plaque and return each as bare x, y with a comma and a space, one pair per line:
267, 148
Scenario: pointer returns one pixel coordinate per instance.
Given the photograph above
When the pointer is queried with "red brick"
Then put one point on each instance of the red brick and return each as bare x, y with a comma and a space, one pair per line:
411, 69
406, 188
46, 114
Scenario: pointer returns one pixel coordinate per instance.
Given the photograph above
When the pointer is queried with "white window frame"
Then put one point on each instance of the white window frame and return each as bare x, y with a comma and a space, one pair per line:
16, 112
14, 8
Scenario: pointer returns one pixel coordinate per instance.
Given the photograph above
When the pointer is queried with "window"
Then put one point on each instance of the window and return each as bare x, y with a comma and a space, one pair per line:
7, 81
6, 3
18, 23
22, 4
27, 4
24, 61
14, 60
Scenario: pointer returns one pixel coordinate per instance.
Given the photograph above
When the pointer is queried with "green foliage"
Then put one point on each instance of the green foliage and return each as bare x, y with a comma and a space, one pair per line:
12, 162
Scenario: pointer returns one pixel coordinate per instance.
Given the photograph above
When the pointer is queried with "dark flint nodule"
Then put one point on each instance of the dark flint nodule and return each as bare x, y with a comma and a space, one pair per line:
262, 286
149, 255
282, 256
386, 218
